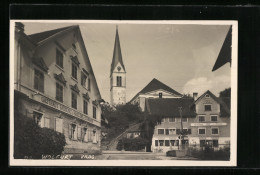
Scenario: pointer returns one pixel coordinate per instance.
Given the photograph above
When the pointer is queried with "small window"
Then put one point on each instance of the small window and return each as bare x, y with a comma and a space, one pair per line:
215, 143
207, 95
85, 107
74, 100
172, 131
160, 95
94, 112
201, 118
160, 131
37, 117
161, 142
214, 118
74, 71
202, 143
167, 142
184, 119
59, 58
156, 142
172, 119
202, 131
38, 80
59, 92
214, 131
83, 80
207, 107
119, 81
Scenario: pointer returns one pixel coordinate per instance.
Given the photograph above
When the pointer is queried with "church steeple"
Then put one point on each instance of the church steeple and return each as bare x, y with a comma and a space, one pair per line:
117, 75
117, 55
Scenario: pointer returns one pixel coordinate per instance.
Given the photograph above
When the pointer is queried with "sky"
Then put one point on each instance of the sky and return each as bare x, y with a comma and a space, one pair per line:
179, 55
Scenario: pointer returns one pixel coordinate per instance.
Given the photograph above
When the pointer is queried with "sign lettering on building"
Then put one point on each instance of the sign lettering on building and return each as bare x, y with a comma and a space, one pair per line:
65, 109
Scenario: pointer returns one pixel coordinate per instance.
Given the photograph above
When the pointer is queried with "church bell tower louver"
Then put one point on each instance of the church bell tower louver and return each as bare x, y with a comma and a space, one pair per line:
117, 75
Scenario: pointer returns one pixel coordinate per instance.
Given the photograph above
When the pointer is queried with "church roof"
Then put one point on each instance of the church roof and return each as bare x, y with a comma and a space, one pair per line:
156, 85
169, 107
117, 55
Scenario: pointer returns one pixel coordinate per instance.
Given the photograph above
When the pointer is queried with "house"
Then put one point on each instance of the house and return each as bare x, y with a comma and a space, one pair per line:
154, 89
205, 120
55, 85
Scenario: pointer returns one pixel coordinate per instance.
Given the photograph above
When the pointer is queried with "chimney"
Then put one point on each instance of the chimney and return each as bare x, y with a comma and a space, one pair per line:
195, 96
19, 27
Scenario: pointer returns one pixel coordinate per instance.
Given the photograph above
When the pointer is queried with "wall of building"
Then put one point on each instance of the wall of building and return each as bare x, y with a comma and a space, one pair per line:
46, 103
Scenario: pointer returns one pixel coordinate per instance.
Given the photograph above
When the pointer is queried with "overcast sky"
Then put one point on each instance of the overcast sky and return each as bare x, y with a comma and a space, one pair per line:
181, 56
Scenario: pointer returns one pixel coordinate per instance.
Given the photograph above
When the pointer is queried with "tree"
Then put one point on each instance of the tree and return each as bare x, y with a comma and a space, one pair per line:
225, 93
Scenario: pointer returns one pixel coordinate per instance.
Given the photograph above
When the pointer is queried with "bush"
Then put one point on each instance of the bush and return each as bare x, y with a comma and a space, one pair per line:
134, 144
209, 154
31, 141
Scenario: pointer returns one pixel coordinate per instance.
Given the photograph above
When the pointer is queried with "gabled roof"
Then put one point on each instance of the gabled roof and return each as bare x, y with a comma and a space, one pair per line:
39, 37
169, 107
155, 85
117, 55
223, 101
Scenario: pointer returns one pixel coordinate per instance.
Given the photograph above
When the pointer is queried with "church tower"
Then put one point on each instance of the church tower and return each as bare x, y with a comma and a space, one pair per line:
117, 75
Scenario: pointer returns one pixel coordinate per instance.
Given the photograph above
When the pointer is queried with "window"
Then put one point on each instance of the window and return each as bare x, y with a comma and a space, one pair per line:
172, 131
202, 143
207, 107
94, 137
214, 118
207, 95
74, 100
160, 95
156, 142
172, 142
201, 118
37, 117
46, 122
85, 135
59, 92
38, 80
202, 131
172, 119
74, 71
167, 142
214, 131
119, 81
83, 80
89, 85
215, 143
58, 125
94, 112
178, 131
73, 132
184, 119
85, 107
59, 58
167, 131
161, 142
160, 131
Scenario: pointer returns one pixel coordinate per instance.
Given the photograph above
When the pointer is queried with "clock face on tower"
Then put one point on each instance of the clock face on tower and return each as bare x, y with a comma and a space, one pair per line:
118, 68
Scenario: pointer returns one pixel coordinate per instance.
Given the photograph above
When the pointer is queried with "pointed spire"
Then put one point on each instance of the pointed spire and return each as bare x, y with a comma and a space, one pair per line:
117, 55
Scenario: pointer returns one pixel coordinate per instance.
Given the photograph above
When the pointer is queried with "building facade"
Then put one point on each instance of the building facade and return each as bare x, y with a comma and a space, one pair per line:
117, 75
205, 121
154, 89
54, 84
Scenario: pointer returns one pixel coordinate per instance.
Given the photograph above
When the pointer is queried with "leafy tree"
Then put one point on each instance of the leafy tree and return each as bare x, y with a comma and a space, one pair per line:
225, 93
132, 144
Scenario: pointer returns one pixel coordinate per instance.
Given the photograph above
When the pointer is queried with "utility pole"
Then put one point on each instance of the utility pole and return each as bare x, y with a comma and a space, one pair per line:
180, 110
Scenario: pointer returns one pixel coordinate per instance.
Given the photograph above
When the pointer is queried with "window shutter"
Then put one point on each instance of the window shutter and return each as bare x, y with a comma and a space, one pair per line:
79, 133
76, 132
70, 132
